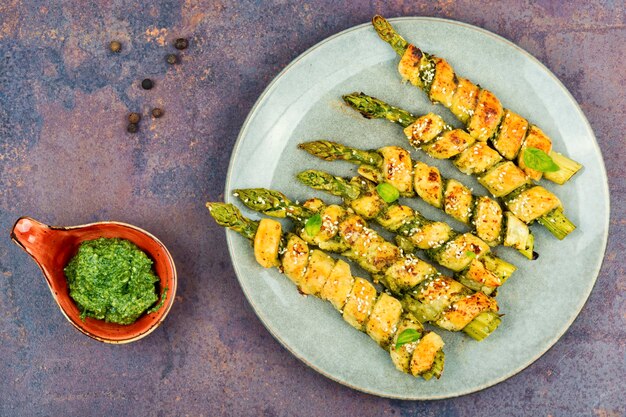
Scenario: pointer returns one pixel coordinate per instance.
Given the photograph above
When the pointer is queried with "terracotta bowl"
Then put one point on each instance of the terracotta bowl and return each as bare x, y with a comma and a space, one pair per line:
52, 248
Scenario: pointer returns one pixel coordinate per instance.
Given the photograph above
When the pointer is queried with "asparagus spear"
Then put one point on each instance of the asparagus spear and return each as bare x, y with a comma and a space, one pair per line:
477, 158
413, 349
477, 269
441, 300
489, 221
481, 111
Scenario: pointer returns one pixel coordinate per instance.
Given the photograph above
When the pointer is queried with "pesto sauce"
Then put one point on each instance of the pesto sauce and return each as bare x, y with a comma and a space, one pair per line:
111, 280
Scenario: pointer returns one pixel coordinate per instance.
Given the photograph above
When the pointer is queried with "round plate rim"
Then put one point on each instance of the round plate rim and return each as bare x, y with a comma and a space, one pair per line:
230, 234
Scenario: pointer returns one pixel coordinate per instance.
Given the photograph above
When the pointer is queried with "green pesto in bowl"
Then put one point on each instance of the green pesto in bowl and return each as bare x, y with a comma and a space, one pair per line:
112, 280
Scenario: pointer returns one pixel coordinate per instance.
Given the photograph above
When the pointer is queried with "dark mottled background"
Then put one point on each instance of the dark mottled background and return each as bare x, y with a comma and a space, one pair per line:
66, 158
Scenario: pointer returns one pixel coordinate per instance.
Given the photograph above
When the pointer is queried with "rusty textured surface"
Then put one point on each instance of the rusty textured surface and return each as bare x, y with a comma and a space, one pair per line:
65, 158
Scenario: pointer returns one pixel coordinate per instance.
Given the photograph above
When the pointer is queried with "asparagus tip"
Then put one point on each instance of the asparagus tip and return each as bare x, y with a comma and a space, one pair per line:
223, 213
266, 201
333, 151
227, 215
350, 98
313, 147
352, 95
362, 103
386, 32
313, 177
358, 101
217, 207
378, 20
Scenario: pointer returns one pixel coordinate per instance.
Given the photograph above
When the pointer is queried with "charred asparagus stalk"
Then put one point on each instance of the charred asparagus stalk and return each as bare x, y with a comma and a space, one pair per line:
431, 296
393, 166
413, 349
501, 178
481, 111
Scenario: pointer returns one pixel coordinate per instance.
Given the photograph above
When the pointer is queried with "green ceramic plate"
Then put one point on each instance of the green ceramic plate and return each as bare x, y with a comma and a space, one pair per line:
304, 103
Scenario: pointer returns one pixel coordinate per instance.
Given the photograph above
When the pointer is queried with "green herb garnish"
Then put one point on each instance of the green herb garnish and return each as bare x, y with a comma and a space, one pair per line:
388, 192
408, 336
470, 254
539, 160
313, 225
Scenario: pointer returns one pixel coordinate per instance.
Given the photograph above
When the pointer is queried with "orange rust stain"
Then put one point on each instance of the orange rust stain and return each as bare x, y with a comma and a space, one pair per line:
205, 74
603, 412
157, 35
195, 19
9, 25
195, 12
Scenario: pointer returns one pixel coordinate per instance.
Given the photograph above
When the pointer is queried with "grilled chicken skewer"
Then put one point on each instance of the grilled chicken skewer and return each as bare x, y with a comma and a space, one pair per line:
510, 134
413, 349
392, 165
503, 179
429, 295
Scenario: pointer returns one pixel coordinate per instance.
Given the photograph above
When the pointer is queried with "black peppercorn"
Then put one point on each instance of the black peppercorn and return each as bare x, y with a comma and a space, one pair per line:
147, 84
134, 118
132, 128
115, 46
181, 43
172, 59
157, 112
